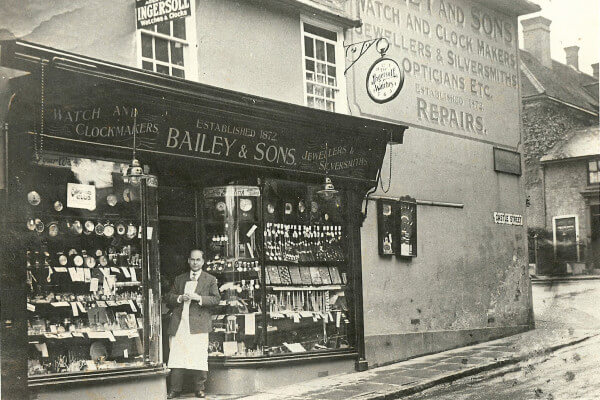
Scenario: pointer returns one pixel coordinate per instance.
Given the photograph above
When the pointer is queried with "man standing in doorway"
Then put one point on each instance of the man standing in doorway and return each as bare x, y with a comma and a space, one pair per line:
191, 297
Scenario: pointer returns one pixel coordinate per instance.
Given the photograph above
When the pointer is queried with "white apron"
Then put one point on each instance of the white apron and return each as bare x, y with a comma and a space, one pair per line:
188, 351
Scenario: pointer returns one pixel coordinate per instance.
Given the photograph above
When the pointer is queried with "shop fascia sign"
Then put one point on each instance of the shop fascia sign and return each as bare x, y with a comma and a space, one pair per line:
149, 12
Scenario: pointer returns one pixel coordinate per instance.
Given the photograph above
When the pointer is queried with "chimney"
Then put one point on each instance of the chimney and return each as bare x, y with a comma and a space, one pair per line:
536, 38
595, 69
572, 56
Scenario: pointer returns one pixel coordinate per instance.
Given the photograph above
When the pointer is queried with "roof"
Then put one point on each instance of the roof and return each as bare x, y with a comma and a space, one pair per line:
582, 142
511, 7
561, 82
332, 10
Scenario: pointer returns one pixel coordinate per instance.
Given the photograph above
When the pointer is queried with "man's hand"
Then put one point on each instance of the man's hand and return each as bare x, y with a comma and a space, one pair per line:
196, 297
183, 298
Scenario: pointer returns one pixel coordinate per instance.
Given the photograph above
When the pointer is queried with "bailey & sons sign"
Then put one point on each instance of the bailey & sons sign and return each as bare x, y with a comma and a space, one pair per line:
235, 139
149, 12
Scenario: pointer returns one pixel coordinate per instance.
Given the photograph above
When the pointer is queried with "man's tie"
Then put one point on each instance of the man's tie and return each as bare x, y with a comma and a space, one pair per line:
194, 276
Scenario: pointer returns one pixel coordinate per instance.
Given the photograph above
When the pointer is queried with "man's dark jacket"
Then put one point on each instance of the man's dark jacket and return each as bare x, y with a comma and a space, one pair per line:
200, 315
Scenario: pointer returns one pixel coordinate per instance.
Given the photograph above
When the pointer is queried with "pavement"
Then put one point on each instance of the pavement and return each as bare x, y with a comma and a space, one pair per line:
418, 374
566, 315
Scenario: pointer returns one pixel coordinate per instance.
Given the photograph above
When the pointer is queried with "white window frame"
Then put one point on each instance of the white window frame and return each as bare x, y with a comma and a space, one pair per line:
341, 99
190, 52
576, 232
590, 172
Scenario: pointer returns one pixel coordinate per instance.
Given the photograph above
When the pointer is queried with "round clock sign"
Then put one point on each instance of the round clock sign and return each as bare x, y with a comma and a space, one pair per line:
384, 80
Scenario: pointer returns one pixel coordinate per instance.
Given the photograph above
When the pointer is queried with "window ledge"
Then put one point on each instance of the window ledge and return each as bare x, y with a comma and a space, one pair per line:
287, 359
96, 376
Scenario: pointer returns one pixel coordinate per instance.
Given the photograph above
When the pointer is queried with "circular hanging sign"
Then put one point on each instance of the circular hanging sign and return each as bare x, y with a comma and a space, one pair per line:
384, 80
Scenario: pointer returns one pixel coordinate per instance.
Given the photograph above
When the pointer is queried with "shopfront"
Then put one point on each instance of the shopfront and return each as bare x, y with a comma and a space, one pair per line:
272, 192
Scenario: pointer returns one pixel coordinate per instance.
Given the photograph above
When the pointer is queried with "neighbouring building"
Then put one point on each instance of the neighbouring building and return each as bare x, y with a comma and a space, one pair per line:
560, 109
571, 172
237, 114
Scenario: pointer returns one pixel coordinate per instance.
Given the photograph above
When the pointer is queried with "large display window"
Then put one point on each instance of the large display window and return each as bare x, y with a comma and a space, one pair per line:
279, 253
93, 301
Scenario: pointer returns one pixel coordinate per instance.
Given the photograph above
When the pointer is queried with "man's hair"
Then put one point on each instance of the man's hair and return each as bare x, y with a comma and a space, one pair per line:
201, 251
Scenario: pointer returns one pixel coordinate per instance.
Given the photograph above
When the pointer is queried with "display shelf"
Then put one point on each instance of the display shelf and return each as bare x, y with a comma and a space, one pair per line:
313, 288
35, 338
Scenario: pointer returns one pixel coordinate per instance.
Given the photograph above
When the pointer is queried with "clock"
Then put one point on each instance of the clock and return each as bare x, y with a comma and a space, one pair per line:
245, 205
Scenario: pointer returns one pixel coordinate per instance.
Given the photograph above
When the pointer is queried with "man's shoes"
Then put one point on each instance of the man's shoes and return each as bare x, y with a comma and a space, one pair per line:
200, 394
173, 395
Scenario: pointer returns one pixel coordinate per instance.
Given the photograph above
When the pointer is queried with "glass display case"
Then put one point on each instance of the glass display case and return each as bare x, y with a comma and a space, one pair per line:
92, 282
279, 254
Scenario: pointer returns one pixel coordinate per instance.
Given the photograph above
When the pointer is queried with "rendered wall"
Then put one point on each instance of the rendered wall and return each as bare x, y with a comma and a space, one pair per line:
241, 46
100, 29
250, 48
469, 281
564, 183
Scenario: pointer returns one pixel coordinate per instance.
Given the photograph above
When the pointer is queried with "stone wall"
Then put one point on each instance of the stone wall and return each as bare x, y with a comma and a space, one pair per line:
545, 123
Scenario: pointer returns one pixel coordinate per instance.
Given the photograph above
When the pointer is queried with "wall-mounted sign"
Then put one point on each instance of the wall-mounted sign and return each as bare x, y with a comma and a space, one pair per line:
149, 12
508, 219
460, 63
384, 80
397, 227
507, 161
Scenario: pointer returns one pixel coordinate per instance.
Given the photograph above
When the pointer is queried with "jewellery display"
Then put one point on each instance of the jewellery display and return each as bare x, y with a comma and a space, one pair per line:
300, 243
304, 293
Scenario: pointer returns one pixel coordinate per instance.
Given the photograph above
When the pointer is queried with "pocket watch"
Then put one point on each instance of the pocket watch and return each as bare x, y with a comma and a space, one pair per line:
39, 225
78, 260
109, 230
34, 198
76, 227
99, 229
111, 199
121, 229
53, 229
89, 227
90, 262
131, 231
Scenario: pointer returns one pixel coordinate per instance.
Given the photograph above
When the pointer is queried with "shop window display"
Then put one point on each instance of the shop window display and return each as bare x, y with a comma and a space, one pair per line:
90, 305
279, 254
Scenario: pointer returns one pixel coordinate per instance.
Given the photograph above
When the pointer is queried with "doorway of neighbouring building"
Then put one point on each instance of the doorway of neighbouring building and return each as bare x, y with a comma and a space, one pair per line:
565, 238
594, 247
